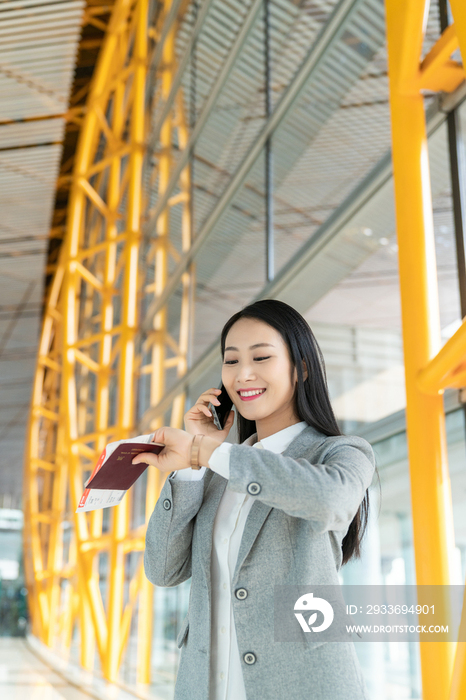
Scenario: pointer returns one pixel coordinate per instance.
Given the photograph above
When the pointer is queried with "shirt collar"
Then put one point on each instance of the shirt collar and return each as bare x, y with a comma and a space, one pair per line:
278, 442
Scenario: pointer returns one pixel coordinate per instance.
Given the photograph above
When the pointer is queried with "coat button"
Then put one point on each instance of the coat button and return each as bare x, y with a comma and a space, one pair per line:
249, 658
167, 504
241, 593
254, 488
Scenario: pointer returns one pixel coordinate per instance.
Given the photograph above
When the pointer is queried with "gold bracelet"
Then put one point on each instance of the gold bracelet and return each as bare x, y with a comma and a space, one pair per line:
195, 448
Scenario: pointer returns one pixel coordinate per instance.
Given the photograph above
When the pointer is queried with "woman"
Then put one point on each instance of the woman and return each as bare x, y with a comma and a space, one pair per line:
290, 513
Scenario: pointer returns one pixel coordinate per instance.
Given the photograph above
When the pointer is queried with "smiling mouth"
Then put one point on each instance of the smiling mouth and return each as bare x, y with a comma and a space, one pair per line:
250, 397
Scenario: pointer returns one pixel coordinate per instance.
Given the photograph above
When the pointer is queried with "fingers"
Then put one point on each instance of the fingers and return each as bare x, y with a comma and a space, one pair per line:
146, 458
165, 435
158, 436
198, 408
210, 395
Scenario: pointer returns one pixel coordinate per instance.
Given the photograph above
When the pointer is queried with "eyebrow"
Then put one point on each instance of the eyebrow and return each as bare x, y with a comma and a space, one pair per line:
257, 345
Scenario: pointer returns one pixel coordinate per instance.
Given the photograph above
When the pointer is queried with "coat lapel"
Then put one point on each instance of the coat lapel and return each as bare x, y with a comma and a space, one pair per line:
214, 489
259, 511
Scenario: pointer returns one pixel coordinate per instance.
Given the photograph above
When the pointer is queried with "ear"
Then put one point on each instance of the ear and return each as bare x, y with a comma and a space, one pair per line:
304, 372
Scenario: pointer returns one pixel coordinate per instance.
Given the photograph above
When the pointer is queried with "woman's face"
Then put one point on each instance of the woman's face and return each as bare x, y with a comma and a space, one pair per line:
257, 360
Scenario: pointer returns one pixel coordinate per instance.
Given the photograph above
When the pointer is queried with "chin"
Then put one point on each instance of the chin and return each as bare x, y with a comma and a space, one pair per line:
253, 415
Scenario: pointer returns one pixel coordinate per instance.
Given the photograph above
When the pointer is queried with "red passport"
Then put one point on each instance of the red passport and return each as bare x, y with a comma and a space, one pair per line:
118, 473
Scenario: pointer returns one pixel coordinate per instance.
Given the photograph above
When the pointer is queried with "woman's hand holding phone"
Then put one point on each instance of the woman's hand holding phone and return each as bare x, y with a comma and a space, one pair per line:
199, 421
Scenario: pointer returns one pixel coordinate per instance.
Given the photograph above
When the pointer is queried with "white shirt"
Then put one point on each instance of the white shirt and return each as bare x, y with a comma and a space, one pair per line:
226, 675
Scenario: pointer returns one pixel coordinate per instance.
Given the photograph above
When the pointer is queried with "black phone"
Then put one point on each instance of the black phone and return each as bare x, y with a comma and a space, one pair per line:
221, 413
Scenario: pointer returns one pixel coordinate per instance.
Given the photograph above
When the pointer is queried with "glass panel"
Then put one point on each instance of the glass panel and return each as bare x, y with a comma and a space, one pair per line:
444, 229
230, 270
13, 602
390, 670
357, 321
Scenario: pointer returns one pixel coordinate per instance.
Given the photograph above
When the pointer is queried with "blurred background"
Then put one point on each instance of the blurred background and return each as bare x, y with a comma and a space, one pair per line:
163, 164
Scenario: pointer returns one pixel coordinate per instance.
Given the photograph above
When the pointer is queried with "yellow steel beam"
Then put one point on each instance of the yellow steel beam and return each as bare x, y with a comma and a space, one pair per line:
437, 71
41, 442
157, 386
159, 340
444, 369
120, 81
433, 528
134, 590
86, 345
126, 375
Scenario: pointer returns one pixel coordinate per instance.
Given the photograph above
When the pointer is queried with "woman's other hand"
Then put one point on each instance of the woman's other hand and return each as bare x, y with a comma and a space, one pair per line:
176, 453
199, 420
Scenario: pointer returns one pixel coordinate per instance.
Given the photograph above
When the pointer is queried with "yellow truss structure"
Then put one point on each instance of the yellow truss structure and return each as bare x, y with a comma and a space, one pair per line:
429, 369
83, 570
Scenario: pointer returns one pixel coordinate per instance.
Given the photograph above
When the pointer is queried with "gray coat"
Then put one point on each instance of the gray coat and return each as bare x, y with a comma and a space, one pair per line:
305, 500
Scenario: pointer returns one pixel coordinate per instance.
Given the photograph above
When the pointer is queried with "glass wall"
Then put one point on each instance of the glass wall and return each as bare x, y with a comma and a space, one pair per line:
13, 601
392, 670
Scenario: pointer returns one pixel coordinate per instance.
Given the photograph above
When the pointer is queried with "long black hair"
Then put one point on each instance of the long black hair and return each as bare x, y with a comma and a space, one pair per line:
311, 398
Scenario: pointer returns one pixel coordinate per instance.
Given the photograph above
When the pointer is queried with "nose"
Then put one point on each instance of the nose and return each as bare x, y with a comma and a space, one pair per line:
245, 372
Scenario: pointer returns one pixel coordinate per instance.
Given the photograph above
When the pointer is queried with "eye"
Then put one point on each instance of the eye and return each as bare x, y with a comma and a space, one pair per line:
258, 359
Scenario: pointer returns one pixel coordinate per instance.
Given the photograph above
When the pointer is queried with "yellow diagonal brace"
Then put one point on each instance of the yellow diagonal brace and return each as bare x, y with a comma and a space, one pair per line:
437, 71
435, 377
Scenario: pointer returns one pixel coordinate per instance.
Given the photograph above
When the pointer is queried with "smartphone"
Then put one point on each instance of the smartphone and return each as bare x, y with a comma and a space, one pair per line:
221, 413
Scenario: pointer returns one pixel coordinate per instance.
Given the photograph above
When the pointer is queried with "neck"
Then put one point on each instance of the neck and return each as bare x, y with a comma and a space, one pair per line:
266, 427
